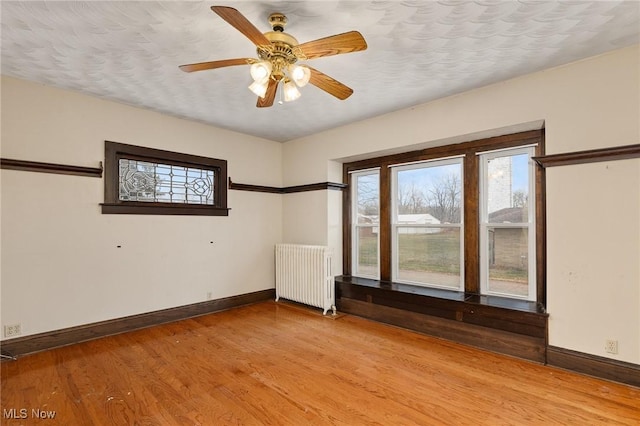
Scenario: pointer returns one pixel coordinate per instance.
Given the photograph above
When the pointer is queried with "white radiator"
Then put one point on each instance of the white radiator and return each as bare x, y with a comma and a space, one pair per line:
304, 275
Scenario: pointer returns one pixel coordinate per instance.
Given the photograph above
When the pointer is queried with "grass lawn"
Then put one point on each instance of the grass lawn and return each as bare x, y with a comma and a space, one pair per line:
438, 252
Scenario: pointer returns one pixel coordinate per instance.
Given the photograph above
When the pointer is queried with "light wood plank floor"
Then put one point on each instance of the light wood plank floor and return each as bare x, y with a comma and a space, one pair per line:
285, 365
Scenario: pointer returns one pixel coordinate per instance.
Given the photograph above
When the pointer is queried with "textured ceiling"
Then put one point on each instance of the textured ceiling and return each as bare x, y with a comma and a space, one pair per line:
418, 51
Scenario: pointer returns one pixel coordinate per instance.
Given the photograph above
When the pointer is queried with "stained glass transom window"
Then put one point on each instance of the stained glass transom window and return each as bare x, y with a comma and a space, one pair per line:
141, 180
164, 183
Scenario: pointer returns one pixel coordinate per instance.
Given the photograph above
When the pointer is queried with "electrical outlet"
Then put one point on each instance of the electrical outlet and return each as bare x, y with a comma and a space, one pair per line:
611, 346
12, 330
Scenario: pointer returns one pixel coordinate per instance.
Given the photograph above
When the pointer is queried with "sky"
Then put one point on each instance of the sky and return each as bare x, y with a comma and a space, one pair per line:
427, 174
423, 176
520, 172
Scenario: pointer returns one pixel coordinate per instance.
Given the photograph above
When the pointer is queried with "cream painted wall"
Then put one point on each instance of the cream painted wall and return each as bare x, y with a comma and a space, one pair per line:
61, 266
589, 104
592, 255
296, 229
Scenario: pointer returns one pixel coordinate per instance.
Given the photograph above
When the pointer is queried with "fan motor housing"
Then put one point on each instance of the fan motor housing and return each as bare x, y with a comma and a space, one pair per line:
281, 37
281, 50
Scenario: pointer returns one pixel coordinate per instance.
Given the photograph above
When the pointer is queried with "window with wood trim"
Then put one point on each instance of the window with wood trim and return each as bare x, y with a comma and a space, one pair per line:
466, 218
365, 226
427, 222
507, 223
140, 180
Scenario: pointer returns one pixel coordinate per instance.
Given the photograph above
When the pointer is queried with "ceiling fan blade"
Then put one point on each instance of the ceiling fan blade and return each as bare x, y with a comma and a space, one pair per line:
269, 97
201, 66
242, 24
329, 85
333, 45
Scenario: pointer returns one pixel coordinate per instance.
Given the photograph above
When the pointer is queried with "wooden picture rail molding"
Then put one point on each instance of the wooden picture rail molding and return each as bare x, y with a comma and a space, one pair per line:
590, 156
287, 189
61, 169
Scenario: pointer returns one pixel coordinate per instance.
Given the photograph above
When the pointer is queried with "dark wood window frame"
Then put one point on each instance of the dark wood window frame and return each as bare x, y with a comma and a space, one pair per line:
114, 151
471, 206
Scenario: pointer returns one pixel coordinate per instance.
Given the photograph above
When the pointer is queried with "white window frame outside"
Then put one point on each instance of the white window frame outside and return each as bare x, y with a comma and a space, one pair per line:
395, 252
355, 226
484, 158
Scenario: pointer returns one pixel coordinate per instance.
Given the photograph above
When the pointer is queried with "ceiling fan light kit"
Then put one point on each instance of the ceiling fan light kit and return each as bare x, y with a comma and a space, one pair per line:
259, 88
300, 74
260, 71
278, 53
291, 92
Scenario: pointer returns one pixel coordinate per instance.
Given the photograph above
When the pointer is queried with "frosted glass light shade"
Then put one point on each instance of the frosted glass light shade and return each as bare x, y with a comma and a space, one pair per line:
260, 71
300, 75
259, 87
291, 92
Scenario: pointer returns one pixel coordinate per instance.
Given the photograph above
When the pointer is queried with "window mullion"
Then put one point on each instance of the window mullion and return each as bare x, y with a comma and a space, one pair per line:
385, 224
471, 216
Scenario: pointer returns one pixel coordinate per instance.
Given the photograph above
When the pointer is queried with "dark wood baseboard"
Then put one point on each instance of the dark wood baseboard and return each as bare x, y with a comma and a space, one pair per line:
513, 328
21, 346
499, 341
593, 365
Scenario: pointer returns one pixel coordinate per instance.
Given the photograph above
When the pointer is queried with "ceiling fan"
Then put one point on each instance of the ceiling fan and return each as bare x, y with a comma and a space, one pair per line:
278, 53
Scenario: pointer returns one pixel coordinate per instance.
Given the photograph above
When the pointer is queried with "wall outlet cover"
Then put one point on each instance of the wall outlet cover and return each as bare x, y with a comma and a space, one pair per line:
12, 330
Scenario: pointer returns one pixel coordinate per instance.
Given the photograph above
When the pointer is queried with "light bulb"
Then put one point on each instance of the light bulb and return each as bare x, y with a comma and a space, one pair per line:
260, 71
300, 75
291, 92
259, 87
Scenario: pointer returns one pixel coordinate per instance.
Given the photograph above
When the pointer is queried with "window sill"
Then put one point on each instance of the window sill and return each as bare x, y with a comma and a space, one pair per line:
163, 209
435, 295
403, 288
452, 295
